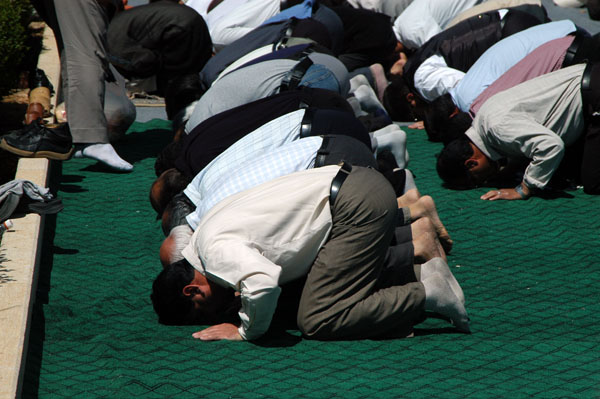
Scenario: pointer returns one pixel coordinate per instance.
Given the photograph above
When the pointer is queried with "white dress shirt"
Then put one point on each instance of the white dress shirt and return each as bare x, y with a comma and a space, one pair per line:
261, 238
423, 19
393, 8
259, 167
434, 77
232, 19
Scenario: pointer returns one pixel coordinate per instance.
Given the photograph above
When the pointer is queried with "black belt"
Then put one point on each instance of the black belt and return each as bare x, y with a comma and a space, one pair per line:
572, 50
306, 124
338, 180
295, 75
282, 43
586, 78
323, 152
588, 96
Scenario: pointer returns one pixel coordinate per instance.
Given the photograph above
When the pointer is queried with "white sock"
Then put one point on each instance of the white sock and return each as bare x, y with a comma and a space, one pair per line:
393, 139
381, 81
440, 298
353, 101
409, 182
437, 265
103, 152
357, 81
368, 99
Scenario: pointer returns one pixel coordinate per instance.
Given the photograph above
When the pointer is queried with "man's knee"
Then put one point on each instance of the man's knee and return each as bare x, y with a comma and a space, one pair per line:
305, 325
311, 328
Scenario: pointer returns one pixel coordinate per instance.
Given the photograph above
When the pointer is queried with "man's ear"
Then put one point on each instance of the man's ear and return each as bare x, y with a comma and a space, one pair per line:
471, 163
410, 98
190, 290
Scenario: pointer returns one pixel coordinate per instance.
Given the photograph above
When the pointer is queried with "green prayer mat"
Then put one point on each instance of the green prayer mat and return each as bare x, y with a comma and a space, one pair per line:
529, 271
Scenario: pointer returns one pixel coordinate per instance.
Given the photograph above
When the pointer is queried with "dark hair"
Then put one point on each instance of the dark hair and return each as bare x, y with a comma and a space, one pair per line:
395, 102
451, 164
181, 92
168, 299
444, 121
166, 158
175, 212
170, 183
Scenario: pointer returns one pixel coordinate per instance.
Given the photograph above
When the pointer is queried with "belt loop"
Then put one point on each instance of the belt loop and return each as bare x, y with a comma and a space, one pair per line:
322, 152
586, 78
338, 180
306, 124
588, 97
295, 75
572, 50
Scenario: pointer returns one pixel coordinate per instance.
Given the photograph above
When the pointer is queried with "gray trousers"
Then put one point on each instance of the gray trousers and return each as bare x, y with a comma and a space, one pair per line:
349, 292
84, 65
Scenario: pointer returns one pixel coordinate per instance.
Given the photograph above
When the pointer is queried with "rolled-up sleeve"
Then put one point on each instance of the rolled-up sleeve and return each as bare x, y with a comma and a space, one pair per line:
243, 268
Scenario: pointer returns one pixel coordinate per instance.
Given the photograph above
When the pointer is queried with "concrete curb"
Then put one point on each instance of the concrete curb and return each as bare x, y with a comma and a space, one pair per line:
20, 254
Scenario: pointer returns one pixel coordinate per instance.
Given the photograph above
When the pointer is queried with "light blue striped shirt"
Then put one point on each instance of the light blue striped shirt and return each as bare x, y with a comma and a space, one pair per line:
502, 56
260, 156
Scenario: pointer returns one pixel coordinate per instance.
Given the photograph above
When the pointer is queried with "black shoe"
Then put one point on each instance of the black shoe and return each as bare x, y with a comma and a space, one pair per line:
40, 141
28, 128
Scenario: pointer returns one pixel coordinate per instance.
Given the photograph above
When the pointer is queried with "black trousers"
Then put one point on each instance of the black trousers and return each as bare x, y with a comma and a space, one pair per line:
213, 136
590, 166
584, 49
336, 149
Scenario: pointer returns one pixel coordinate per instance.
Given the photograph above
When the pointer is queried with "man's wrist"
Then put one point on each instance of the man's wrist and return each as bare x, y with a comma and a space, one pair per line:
523, 191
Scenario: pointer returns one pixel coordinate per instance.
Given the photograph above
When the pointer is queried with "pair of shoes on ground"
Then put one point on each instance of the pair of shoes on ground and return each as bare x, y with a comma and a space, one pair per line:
36, 140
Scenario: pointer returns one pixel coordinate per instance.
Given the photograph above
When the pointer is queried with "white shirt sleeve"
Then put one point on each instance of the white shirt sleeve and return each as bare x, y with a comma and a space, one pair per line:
434, 78
253, 276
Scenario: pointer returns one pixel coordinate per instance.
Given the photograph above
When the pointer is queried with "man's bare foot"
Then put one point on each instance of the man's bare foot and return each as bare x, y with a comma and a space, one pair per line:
409, 197
425, 207
425, 241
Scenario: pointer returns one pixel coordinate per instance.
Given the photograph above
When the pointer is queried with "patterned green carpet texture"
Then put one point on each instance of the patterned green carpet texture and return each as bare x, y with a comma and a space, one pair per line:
529, 270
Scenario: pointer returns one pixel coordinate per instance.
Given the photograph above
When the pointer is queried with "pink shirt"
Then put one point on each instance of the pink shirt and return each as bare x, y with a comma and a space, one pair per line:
546, 58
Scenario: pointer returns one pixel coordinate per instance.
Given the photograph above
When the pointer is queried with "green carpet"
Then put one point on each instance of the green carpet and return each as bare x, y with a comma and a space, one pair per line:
528, 269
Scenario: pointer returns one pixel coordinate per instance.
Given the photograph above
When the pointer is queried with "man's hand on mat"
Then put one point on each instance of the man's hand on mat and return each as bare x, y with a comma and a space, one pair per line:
502, 194
220, 331
417, 125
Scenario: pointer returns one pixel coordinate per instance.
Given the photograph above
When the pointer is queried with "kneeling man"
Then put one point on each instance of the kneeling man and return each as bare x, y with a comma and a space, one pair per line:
333, 225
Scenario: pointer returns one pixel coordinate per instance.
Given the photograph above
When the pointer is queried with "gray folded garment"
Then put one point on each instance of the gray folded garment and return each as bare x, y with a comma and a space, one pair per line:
37, 199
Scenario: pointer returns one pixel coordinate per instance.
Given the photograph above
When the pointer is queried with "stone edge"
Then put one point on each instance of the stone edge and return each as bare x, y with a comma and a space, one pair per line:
20, 251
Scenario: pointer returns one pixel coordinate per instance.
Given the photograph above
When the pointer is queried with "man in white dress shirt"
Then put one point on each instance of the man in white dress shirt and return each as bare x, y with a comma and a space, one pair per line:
423, 19
333, 225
